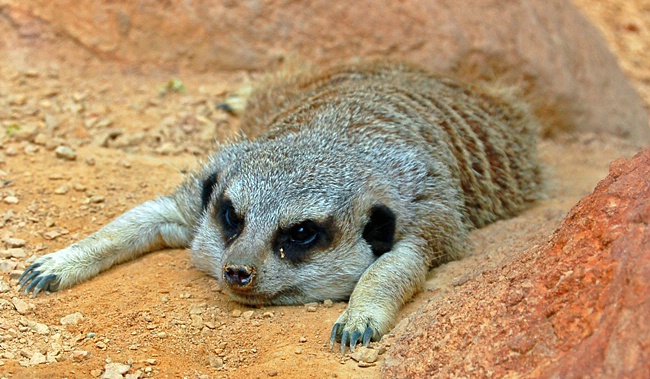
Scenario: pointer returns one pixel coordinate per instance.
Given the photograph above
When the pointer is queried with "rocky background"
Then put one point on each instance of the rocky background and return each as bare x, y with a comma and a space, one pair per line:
106, 104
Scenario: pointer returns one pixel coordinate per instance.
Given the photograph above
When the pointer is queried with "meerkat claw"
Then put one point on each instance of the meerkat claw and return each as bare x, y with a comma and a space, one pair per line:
367, 336
354, 339
29, 273
32, 279
334, 335
344, 341
48, 283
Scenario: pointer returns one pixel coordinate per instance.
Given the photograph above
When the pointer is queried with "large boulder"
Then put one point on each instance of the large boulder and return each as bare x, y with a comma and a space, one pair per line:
546, 47
577, 307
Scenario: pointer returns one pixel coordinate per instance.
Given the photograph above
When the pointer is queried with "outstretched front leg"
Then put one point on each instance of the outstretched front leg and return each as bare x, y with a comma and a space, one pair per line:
380, 293
167, 222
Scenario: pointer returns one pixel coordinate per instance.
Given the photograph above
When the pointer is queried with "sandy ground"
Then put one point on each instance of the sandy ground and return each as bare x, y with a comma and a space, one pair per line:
134, 136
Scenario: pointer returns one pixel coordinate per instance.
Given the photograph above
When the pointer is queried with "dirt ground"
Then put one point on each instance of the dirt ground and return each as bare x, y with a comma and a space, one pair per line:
133, 135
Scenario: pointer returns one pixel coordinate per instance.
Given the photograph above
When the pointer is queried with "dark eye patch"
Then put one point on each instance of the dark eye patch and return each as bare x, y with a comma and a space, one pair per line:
231, 223
295, 242
379, 232
207, 189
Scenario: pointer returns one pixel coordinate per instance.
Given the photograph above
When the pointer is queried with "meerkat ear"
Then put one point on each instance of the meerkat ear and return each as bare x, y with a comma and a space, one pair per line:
206, 190
379, 232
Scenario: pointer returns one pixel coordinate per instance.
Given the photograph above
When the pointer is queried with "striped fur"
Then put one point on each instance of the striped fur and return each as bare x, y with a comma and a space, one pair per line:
490, 133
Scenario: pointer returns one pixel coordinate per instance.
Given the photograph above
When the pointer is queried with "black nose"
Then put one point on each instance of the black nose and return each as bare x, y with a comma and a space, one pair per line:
238, 275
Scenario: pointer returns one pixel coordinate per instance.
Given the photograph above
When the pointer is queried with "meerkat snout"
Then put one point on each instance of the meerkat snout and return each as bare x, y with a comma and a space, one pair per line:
239, 276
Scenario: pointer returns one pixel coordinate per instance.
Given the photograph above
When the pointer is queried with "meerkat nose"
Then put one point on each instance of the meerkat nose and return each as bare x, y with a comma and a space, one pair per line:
238, 275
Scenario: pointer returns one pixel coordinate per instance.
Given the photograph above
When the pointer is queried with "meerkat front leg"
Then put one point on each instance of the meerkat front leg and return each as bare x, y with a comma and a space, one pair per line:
165, 222
380, 293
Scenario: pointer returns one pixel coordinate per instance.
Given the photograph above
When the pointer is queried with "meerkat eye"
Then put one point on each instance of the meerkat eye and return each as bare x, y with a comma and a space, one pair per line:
231, 221
296, 242
304, 233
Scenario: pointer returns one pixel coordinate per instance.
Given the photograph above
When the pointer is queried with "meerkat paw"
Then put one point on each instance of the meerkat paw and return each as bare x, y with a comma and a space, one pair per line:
359, 325
52, 272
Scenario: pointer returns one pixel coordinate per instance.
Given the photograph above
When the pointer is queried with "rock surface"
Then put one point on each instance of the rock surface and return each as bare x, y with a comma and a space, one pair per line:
547, 47
577, 307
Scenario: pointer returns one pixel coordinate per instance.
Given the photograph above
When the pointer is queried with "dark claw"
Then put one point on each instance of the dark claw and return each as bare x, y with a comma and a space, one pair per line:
367, 336
354, 338
32, 284
335, 332
27, 271
49, 283
29, 279
344, 341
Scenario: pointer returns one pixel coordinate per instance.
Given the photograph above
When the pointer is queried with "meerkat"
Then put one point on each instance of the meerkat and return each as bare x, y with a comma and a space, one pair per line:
346, 184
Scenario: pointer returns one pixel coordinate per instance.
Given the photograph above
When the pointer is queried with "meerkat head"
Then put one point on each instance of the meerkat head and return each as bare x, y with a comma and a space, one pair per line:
286, 222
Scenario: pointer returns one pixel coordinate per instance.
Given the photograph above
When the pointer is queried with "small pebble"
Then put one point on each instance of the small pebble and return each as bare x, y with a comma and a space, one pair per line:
115, 370
64, 152
72, 319
236, 313
97, 199
11, 151
363, 364
216, 362
364, 354
11, 200
26, 132
52, 234
21, 306
17, 252
56, 176
4, 287
80, 355
18, 99
248, 314
37, 358
15, 242
62, 190
8, 266
37, 327
328, 303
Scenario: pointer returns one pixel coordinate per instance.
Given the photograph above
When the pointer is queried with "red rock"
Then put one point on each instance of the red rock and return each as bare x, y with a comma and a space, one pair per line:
548, 47
577, 307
